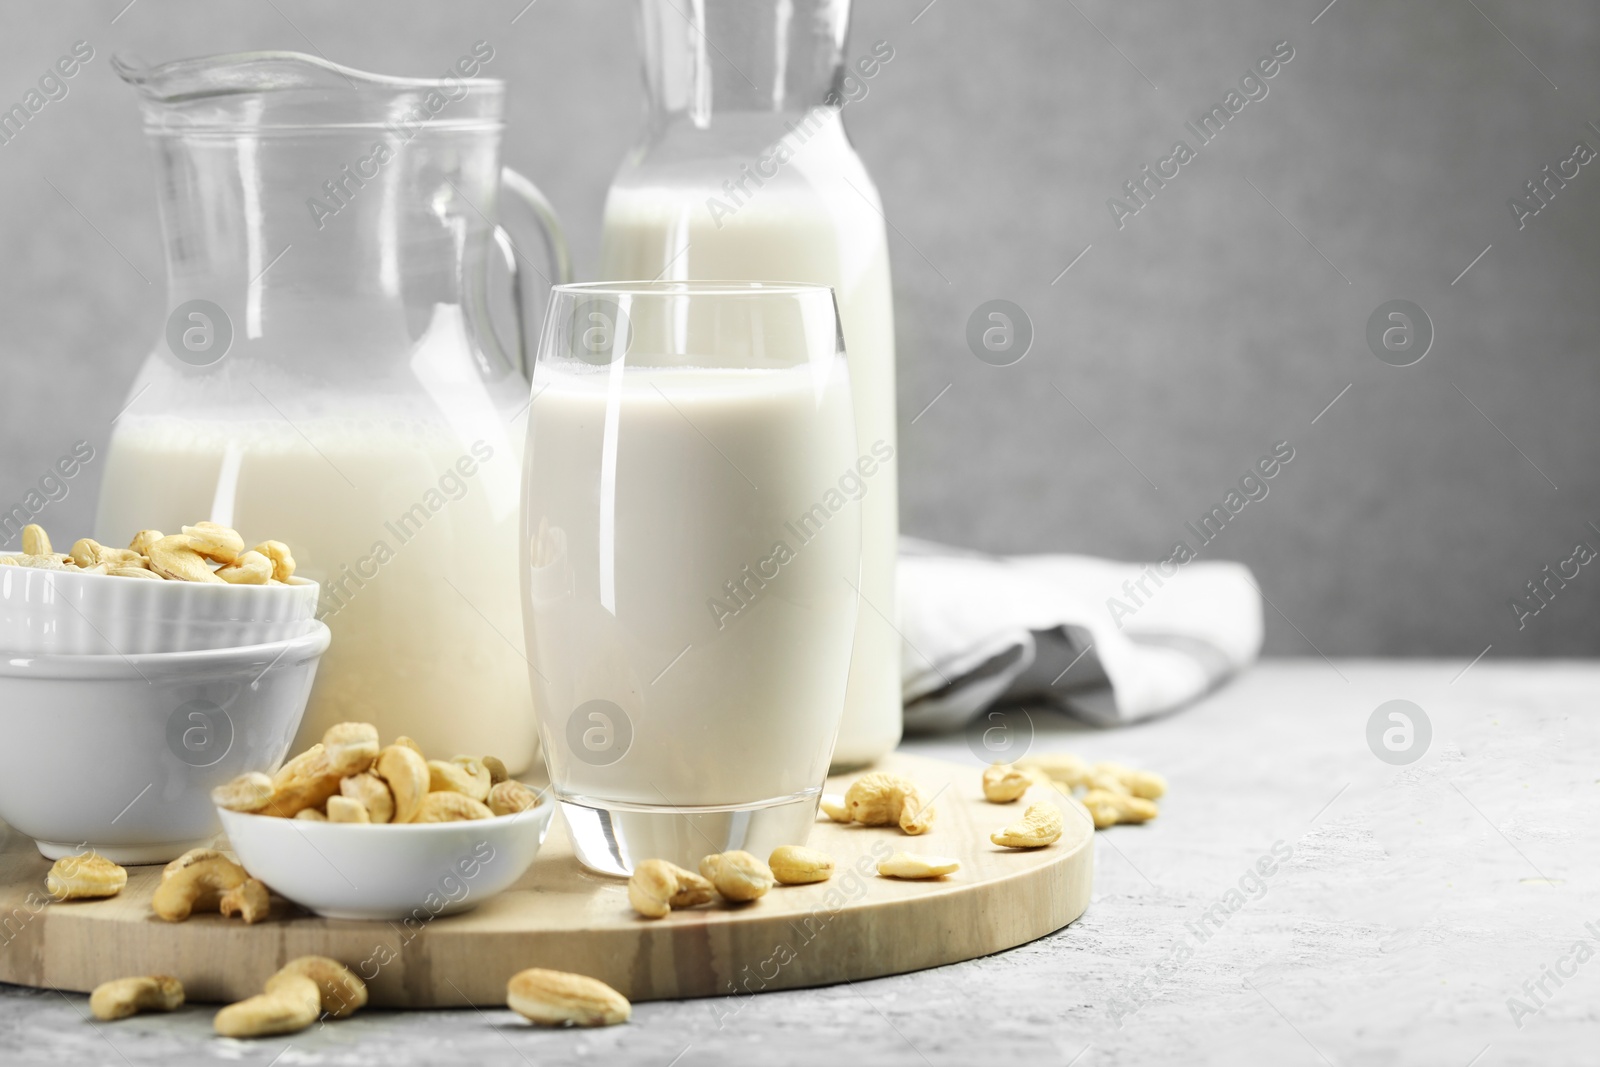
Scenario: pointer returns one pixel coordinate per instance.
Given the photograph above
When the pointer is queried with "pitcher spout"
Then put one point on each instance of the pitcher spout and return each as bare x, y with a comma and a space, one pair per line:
293, 89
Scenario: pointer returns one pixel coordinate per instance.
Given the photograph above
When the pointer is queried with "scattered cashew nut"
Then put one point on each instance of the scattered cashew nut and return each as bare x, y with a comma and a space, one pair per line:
342, 992
657, 887
294, 1004
1040, 825
798, 865
737, 875
248, 900
1109, 807
122, 997
1003, 783
557, 998
197, 886
84, 877
882, 799
910, 866
834, 807
300, 992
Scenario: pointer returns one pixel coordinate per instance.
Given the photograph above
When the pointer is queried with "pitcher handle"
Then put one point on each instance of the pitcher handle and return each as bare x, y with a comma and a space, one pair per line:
532, 206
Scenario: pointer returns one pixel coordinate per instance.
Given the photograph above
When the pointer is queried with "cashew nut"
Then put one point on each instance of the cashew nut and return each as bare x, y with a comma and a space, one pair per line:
251, 568
881, 799
214, 541
88, 553
463, 775
248, 900
511, 797
1040, 825
797, 865
248, 792
1146, 784
174, 558
556, 998
497, 770
122, 997
834, 807
143, 540
1109, 807
658, 886
35, 542
84, 877
282, 561
405, 772
371, 792
198, 886
446, 806
342, 993
308, 780
737, 875
910, 866
294, 1004
347, 809
1003, 783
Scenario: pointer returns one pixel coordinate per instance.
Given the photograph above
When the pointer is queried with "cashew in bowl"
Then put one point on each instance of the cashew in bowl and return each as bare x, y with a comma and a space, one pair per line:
405, 772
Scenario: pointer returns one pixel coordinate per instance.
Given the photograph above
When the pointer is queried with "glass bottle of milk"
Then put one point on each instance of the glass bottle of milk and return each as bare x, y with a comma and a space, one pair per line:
744, 172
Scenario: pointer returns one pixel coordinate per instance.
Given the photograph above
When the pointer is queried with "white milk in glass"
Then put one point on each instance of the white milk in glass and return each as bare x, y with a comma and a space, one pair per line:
694, 540
811, 222
379, 509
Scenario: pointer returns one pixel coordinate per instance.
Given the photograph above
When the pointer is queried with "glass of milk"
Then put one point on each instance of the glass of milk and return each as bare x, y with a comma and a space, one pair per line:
691, 562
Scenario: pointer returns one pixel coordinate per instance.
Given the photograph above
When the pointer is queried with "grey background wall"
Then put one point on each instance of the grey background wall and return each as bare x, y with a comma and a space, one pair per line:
1225, 316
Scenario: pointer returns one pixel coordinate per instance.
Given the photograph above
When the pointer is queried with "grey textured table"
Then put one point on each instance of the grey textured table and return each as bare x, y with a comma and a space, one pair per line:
1405, 909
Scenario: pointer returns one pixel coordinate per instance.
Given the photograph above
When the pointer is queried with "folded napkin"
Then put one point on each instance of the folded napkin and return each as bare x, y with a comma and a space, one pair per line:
1107, 642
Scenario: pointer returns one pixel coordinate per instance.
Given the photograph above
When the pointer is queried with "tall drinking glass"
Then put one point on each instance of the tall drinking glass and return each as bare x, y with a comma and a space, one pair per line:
691, 554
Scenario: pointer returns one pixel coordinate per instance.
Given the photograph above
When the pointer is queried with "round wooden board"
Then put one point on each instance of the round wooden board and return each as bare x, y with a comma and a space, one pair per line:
562, 916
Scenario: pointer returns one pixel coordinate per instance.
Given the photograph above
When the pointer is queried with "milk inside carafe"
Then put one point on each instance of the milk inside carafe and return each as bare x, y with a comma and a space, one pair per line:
745, 172
327, 375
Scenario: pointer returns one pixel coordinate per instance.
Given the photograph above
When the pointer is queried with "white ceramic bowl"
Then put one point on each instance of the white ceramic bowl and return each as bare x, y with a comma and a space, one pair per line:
63, 613
406, 872
120, 753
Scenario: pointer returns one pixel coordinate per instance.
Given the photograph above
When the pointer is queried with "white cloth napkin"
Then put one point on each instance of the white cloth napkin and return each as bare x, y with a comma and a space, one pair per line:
1107, 642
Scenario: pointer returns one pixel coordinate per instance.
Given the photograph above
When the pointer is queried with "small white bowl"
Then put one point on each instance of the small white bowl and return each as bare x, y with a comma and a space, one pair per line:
66, 613
410, 871
120, 753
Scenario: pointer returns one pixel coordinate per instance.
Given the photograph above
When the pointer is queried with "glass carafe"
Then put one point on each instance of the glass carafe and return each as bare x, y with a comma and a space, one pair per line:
744, 172
328, 376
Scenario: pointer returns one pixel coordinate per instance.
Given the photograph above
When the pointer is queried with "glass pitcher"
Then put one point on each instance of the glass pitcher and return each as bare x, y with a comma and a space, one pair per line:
744, 172
328, 375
